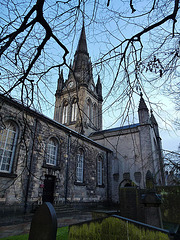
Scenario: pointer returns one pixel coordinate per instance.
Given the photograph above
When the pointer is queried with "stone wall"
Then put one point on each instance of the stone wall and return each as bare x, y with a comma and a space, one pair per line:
127, 160
24, 185
135, 151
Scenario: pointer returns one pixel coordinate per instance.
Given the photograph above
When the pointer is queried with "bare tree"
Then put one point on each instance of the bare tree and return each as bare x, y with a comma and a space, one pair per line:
32, 32
173, 91
172, 166
138, 42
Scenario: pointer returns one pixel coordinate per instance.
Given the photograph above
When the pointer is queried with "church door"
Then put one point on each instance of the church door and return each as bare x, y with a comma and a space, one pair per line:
48, 191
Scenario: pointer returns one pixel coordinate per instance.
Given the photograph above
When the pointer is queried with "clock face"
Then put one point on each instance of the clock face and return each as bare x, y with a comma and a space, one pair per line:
70, 84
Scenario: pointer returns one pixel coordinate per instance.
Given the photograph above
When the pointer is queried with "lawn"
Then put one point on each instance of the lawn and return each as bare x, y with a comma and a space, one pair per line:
62, 234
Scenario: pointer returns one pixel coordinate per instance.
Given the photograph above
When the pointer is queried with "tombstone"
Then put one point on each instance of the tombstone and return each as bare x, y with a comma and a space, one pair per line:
152, 202
44, 223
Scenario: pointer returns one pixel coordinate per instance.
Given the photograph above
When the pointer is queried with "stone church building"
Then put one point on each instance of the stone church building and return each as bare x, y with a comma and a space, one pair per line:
71, 159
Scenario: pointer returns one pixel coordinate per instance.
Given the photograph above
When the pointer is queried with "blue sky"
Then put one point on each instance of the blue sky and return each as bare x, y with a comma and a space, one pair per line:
105, 29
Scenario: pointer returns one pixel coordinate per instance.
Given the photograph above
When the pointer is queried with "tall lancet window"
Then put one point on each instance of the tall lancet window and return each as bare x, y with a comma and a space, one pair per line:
89, 111
74, 111
99, 170
95, 115
80, 166
8, 139
65, 113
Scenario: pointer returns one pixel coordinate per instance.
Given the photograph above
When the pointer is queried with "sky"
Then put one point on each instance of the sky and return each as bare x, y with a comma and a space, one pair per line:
168, 131
99, 42
105, 30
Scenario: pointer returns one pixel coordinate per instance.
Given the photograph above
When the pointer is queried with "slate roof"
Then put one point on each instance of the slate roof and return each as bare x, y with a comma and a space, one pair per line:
115, 129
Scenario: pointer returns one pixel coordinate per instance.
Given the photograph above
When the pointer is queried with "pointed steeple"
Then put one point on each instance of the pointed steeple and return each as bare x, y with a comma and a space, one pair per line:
99, 88
82, 45
60, 82
82, 62
143, 111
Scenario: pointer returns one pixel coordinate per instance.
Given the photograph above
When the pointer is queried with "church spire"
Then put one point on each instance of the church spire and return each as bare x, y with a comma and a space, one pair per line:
82, 45
78, 100
82, 66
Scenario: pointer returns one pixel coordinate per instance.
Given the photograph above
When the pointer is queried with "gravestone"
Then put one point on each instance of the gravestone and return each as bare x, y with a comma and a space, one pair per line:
44, 223
152, 202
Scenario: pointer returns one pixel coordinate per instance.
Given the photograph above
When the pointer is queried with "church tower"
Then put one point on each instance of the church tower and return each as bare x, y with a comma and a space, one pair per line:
78, 100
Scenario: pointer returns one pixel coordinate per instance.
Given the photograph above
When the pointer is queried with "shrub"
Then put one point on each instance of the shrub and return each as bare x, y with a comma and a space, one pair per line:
114, 229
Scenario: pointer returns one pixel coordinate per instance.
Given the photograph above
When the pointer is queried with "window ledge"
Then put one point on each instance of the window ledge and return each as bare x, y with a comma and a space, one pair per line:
9, 175
79, 183
50, 166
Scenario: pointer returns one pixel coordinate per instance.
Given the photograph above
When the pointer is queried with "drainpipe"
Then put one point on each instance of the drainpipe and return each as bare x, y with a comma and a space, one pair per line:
67, 168
30, 158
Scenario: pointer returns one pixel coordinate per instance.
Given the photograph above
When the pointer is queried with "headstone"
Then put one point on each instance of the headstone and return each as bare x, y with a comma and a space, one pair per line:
44, 223
152, 202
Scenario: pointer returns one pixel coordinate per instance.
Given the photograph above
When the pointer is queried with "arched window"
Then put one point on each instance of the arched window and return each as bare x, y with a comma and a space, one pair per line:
99, 170
51, 154
74, 110
80, 166
8, 140
65, 113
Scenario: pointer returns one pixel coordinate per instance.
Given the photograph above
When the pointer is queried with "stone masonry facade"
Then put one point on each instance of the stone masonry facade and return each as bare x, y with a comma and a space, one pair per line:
25, 183
71, 159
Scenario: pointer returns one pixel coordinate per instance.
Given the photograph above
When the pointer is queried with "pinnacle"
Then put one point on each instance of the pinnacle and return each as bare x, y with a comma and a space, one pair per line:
142, 104
153, 120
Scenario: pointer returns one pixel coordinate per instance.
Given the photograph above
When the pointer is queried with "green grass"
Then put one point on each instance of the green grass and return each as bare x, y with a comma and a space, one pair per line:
62, 234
